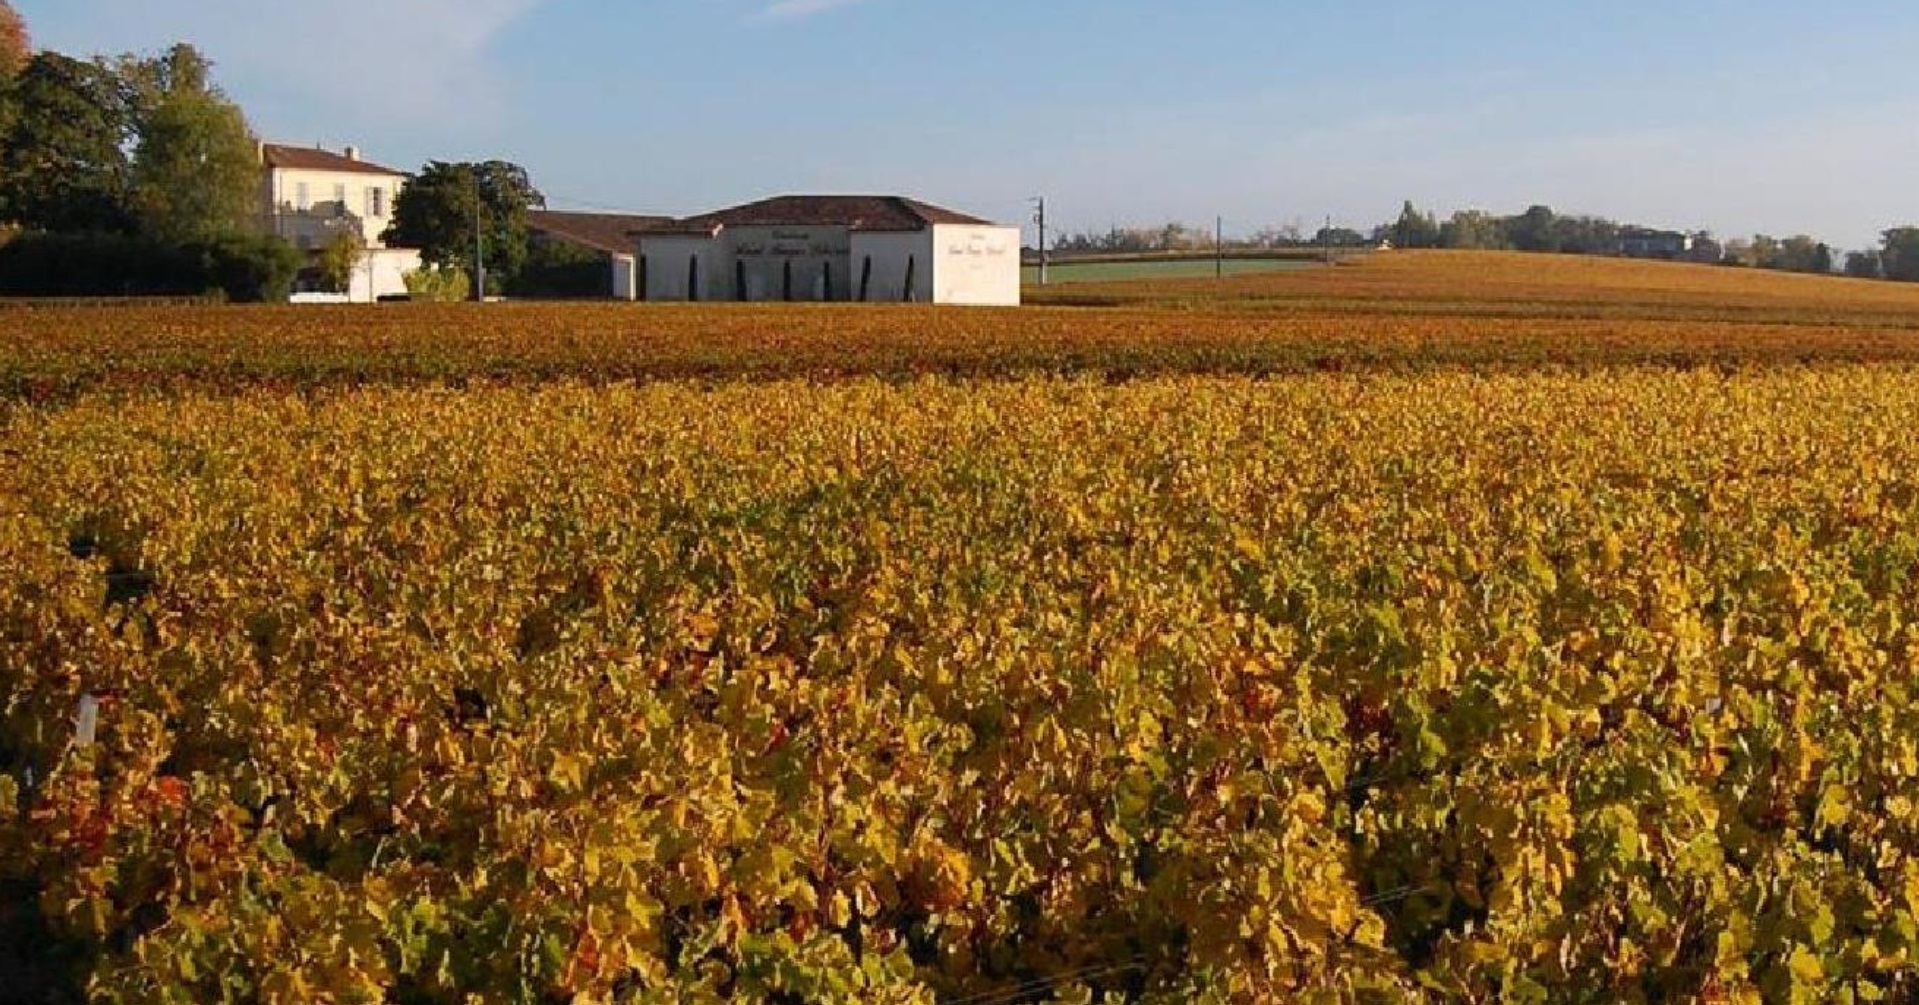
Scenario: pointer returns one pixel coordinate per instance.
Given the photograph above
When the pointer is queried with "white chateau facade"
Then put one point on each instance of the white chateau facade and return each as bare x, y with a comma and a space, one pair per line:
309, 196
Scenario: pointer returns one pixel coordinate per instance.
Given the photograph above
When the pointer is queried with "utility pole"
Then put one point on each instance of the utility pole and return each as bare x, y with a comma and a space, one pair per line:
1041, 217
1219, 247
1326, 240
479, 244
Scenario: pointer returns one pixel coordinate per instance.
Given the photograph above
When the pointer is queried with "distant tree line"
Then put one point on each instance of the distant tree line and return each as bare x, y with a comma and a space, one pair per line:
132, 174
1538, 229
1896, 258
1179, 237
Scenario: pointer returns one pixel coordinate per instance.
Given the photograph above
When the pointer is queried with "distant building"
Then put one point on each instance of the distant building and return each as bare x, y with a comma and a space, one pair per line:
832, 248
309, 196
1668, 245
612, 235
1642, 243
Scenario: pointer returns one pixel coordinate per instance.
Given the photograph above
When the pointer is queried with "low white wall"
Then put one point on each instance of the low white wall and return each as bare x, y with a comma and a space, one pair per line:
382, 273
626, 274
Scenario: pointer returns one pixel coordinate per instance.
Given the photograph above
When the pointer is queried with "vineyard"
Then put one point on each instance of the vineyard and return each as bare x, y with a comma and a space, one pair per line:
1405, 313
615, 654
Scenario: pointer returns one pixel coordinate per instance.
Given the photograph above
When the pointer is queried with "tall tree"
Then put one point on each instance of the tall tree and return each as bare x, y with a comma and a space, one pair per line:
1584, 235
1762, 252
1899, 256
63, 162
1415, 229
196, 171
1473, 229
1800, 253
1863, 265
444, 205
1534, 230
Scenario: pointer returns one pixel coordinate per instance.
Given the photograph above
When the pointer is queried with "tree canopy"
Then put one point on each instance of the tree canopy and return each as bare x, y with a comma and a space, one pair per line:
63, 160
437, 210
1899, 258
144, 145
195, 167
1415, 229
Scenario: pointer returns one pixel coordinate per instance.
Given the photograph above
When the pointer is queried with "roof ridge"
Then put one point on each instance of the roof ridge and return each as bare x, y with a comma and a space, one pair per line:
890, 212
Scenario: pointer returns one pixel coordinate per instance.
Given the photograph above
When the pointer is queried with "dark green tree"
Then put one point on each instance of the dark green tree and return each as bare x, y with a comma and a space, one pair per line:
63, 160
1474, 230
1338, 237
559, 269
437, 213
1534, 230
1584, 235
1415, 229
1800, 253
1763, 252
196, 172
1864, 265
1899, 256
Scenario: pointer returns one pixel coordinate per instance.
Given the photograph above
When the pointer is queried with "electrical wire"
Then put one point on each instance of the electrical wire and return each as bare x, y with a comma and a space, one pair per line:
1004, 996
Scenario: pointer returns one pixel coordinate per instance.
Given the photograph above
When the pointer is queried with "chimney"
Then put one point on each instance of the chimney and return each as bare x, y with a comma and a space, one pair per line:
353, 153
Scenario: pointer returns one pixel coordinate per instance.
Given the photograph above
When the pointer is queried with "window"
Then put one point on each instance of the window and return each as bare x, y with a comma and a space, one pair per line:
339, 196
375, 202
302, 199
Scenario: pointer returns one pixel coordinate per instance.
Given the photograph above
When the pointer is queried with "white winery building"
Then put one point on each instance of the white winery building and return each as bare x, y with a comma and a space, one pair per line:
831, 248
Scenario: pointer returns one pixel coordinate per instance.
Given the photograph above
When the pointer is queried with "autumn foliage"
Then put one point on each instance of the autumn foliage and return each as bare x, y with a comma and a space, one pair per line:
15, 47
1446, 683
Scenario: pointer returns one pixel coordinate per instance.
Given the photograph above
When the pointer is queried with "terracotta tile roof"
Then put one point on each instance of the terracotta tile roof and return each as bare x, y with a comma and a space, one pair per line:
605, 231
871, 213
315, 159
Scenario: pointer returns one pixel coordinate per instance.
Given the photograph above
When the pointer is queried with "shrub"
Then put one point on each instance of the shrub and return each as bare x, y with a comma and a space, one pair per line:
563, 271
239, 267
444, 284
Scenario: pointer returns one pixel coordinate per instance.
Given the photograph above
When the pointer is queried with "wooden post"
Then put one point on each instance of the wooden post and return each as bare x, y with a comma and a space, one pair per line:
866, 277
87, 721
912, 269
693, 279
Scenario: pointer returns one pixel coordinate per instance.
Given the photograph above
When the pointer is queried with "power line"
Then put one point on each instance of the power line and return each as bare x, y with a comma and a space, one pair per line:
585, 204
1038, 984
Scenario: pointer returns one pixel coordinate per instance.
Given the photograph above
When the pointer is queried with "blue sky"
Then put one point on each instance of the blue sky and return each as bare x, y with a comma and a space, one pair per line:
1736, 116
